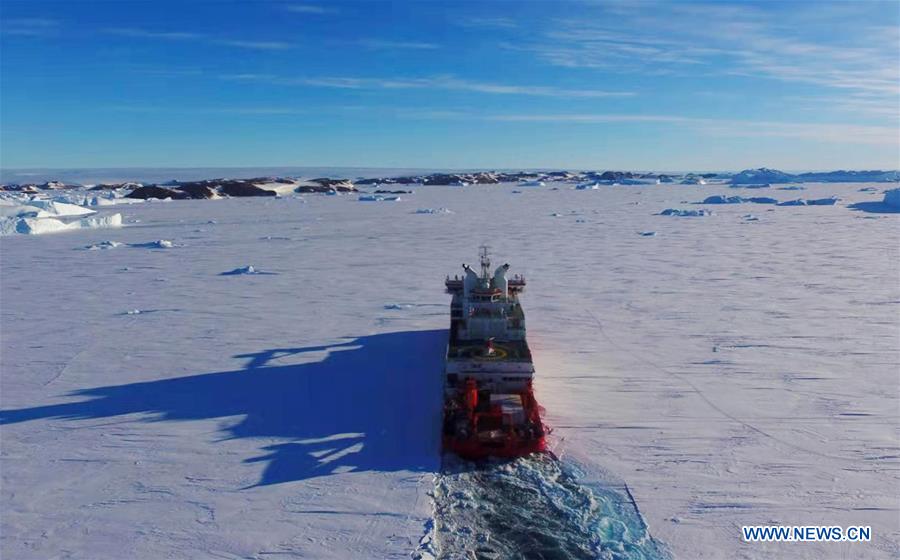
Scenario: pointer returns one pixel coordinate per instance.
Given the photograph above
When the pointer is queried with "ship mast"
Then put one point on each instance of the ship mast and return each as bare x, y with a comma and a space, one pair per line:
485, 263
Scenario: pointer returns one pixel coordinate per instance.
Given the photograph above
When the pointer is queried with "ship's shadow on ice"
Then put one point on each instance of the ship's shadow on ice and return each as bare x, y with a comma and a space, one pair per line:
371, 404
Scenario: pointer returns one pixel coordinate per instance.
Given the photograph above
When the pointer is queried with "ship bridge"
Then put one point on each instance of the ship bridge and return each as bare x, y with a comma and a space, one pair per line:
486, 306
487, 328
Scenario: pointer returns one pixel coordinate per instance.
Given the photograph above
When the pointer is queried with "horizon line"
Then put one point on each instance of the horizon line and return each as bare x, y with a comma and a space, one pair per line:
441, 168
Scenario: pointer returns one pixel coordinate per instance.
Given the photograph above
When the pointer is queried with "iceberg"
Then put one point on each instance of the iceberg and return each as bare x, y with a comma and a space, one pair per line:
39, 225
830, 201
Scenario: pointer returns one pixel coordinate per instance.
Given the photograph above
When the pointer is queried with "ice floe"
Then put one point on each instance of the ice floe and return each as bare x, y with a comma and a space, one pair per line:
103, 245
721, 199
685, 213
378, 198
249, 269
158, 244
245, 270
830, 201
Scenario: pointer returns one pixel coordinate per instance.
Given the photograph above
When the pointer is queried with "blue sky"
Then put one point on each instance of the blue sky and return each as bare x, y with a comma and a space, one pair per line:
624, 85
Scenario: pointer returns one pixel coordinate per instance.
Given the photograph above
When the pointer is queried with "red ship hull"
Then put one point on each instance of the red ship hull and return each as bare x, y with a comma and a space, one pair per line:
478, 451
479, 425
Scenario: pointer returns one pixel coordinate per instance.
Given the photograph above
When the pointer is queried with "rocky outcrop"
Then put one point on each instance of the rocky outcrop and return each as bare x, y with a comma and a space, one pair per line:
197, 191
615, 175
481, 178
341, 185
114, 186
242, 188
445, 179
309, 189
57, 185
152, 191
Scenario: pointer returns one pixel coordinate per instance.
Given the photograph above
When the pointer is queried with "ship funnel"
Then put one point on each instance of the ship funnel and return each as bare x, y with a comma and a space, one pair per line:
471, 280
500, 281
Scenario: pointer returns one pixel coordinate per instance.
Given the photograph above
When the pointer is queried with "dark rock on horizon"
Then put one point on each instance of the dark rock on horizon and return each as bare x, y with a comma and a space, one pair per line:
308, 189
197, 191
616, 175
114, 186
340, 185
241, 188
153, 191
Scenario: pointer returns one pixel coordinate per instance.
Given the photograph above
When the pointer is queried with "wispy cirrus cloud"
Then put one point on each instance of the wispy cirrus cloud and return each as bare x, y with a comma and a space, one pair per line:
148, 34
446, 83
487, 22
819, 132
254, 45
225, 110
153, 35
804, 45
30, 27
385, 44
309, 9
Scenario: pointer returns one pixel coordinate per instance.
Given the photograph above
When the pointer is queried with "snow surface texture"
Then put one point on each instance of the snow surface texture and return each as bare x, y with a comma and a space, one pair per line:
729, 371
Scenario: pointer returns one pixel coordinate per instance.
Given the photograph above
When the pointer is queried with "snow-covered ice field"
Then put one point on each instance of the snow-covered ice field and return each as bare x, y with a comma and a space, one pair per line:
729, 369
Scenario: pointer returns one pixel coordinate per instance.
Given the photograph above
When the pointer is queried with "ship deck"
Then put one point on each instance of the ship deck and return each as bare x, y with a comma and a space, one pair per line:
504, 351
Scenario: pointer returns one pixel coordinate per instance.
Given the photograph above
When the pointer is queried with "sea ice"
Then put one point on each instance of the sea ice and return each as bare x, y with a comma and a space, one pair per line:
103, 245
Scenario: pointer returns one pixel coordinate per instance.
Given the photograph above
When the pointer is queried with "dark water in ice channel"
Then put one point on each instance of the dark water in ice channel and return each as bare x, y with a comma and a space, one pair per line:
532, 508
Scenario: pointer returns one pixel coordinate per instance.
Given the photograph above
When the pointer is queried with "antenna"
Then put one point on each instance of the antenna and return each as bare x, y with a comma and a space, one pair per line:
485, 261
